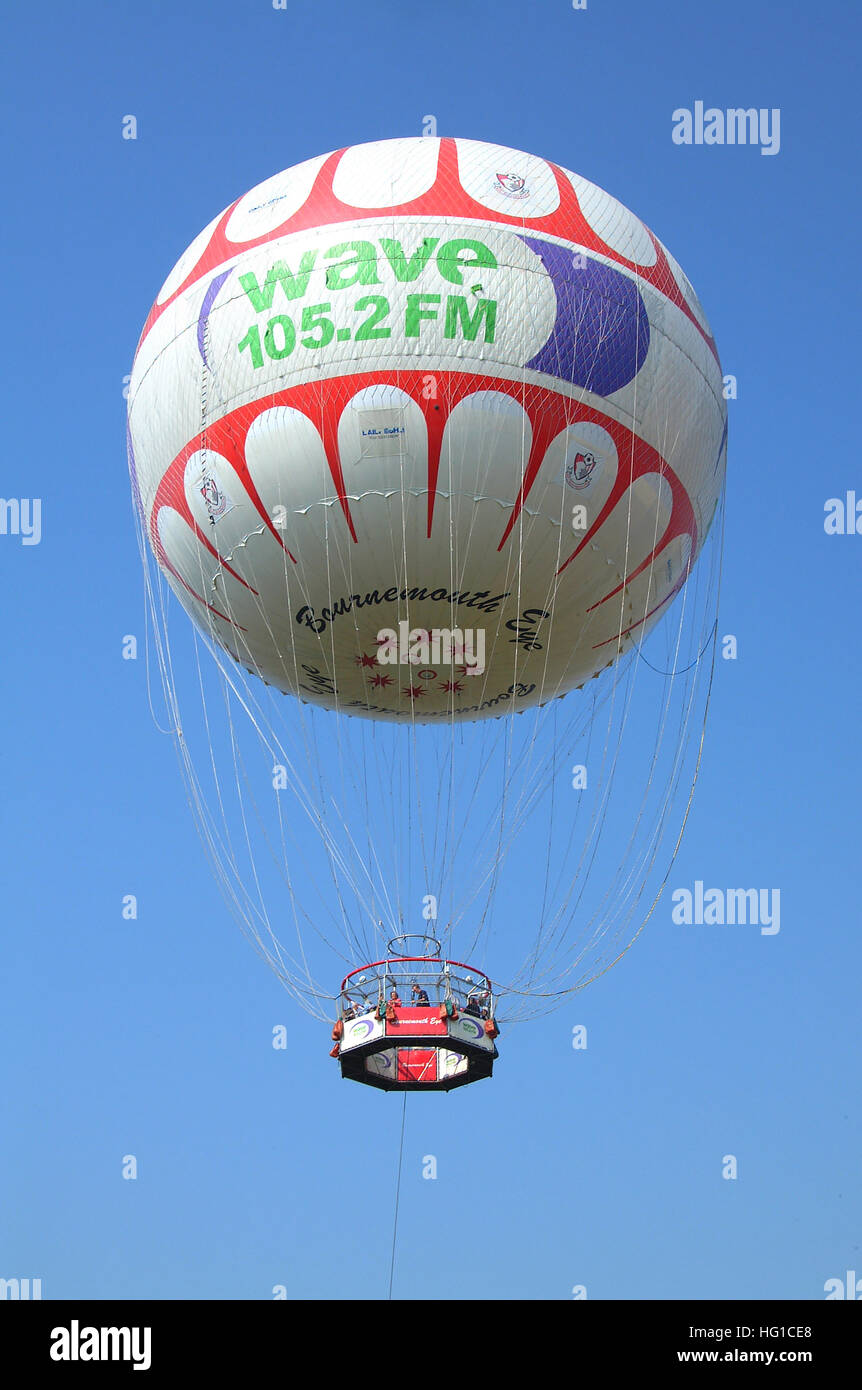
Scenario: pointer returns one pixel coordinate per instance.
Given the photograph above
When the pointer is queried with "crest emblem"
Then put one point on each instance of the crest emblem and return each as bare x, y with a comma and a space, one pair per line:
512, 184
216, 501
580, 470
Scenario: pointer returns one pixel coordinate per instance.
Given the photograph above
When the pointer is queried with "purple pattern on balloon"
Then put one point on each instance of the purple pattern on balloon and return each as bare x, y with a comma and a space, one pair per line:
209, 301
601, 333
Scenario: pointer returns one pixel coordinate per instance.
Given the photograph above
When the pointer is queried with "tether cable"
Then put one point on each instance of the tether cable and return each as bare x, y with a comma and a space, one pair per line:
397, 1195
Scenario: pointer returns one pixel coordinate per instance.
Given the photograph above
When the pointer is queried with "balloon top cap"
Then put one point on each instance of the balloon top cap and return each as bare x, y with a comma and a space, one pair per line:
413, 945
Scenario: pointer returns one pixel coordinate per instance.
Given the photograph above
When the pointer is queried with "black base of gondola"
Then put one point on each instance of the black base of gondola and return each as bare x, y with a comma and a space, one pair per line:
480, 1064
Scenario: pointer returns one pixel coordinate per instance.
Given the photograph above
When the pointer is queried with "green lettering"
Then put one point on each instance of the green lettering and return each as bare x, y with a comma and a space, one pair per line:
294, 286
408, 270
450, 261
368, 328
415, 313
458, 314
279, 327
252, 342
362, 262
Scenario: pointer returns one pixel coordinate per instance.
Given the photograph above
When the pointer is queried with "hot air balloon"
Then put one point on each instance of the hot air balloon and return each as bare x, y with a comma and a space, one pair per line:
426, 436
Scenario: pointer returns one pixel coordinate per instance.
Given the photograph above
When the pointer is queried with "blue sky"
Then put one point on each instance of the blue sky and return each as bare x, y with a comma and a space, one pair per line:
259, 1167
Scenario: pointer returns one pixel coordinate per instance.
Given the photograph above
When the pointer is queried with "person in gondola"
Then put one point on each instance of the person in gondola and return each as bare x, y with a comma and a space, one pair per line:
472, 1006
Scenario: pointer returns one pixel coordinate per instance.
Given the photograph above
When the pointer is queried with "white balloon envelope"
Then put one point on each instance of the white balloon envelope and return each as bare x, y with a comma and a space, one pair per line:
427, 386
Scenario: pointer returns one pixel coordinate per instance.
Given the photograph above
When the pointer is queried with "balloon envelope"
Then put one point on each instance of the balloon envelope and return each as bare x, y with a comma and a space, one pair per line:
427, 386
